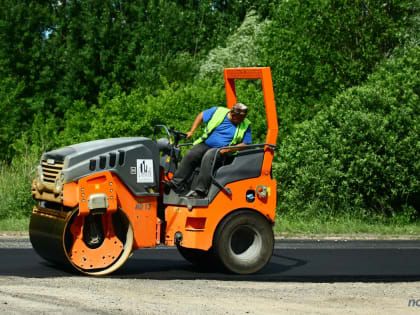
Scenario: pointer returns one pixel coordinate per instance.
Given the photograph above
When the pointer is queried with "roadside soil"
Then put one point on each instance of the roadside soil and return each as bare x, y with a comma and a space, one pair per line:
86, 295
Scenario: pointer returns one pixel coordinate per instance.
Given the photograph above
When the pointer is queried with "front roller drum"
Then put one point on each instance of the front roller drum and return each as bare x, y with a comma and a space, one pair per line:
94, 244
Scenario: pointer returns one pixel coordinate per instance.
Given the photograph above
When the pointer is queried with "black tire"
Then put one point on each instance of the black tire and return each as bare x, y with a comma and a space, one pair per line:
197, 257
244, 242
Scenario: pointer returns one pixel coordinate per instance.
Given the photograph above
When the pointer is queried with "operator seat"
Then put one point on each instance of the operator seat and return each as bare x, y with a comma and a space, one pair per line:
246, 164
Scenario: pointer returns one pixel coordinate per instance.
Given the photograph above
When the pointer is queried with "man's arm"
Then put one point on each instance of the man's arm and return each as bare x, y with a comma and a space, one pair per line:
197, 122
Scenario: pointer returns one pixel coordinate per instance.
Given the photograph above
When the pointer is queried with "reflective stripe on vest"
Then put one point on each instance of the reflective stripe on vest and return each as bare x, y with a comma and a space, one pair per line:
217, 118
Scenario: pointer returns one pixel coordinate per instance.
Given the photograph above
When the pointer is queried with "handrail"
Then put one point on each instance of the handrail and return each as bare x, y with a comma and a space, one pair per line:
236, 148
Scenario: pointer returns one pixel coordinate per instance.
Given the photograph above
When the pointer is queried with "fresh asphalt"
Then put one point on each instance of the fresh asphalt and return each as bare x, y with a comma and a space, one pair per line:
292, 260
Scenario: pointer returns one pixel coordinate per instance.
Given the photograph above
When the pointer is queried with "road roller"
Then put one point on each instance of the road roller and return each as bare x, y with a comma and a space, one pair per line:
99, 201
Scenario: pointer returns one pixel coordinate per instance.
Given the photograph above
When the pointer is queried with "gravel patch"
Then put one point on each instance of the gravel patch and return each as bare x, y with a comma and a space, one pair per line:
87, 295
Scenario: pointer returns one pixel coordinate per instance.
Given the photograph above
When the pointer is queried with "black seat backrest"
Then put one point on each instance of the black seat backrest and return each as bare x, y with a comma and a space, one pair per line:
246, 164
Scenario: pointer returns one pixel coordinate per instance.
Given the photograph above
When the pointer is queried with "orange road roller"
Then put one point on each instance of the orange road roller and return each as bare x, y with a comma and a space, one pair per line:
98, 201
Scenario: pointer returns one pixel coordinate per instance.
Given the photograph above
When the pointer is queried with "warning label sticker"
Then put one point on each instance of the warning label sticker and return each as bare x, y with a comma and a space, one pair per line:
144, 171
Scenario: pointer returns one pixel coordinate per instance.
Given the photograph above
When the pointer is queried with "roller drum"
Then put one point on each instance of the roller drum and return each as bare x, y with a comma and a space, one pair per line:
94, 245
47, 231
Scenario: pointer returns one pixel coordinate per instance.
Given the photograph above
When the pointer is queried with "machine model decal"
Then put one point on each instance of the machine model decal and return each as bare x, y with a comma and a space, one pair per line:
144, 206
144, 171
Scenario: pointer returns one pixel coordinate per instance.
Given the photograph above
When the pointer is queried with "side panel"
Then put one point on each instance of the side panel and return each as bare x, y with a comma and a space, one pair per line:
199, 224
102, 183
142, 213
71, 194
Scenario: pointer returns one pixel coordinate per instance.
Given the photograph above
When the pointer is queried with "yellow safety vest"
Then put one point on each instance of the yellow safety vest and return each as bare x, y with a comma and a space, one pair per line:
217, 118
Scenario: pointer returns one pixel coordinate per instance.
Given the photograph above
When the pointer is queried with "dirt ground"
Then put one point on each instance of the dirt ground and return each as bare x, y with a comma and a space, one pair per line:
86, 295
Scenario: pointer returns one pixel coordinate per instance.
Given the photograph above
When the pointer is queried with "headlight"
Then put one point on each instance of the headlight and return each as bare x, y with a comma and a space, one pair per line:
39, 179
59, 183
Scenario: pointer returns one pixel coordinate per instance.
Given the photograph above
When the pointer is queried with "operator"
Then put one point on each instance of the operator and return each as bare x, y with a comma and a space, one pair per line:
224, 128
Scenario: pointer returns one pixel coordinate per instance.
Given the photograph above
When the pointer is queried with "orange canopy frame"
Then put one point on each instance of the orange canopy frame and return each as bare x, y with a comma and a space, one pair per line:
263, 74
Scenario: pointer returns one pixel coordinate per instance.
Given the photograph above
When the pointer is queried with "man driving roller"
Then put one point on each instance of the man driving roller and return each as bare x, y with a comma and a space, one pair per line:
224, 128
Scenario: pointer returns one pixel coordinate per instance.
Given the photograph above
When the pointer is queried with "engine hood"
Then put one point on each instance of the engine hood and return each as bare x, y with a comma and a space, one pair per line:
76, 153
135, 160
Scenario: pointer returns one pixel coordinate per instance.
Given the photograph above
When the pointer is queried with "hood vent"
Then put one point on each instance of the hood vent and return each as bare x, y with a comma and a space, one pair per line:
111, 157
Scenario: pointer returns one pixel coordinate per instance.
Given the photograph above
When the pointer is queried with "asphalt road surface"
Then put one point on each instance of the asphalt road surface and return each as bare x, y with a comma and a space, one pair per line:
293, 260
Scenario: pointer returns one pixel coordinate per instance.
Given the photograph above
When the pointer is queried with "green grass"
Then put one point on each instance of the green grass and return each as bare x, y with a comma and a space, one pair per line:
15, 188
287, 226
14, 224
291, 226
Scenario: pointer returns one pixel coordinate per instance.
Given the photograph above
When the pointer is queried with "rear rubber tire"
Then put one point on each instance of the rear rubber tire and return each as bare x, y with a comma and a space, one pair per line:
244, 242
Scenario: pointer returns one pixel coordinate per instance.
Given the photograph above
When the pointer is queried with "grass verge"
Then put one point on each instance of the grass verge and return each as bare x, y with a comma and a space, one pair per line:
15, 190
14, 224
288, 226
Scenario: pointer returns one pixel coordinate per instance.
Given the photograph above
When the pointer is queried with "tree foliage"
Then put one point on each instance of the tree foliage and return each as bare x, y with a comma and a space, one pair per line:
317, 48
240, 50
73, 71
60, 52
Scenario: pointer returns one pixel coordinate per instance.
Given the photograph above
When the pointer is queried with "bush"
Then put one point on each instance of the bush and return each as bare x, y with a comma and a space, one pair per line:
359, 155
137, 114
11, 104
241, 49
15, 186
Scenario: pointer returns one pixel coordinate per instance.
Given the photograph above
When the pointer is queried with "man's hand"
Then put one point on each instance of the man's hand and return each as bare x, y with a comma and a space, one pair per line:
189, 134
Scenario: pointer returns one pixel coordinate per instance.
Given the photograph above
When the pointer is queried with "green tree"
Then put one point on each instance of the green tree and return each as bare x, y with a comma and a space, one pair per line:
61, 52
11, 101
